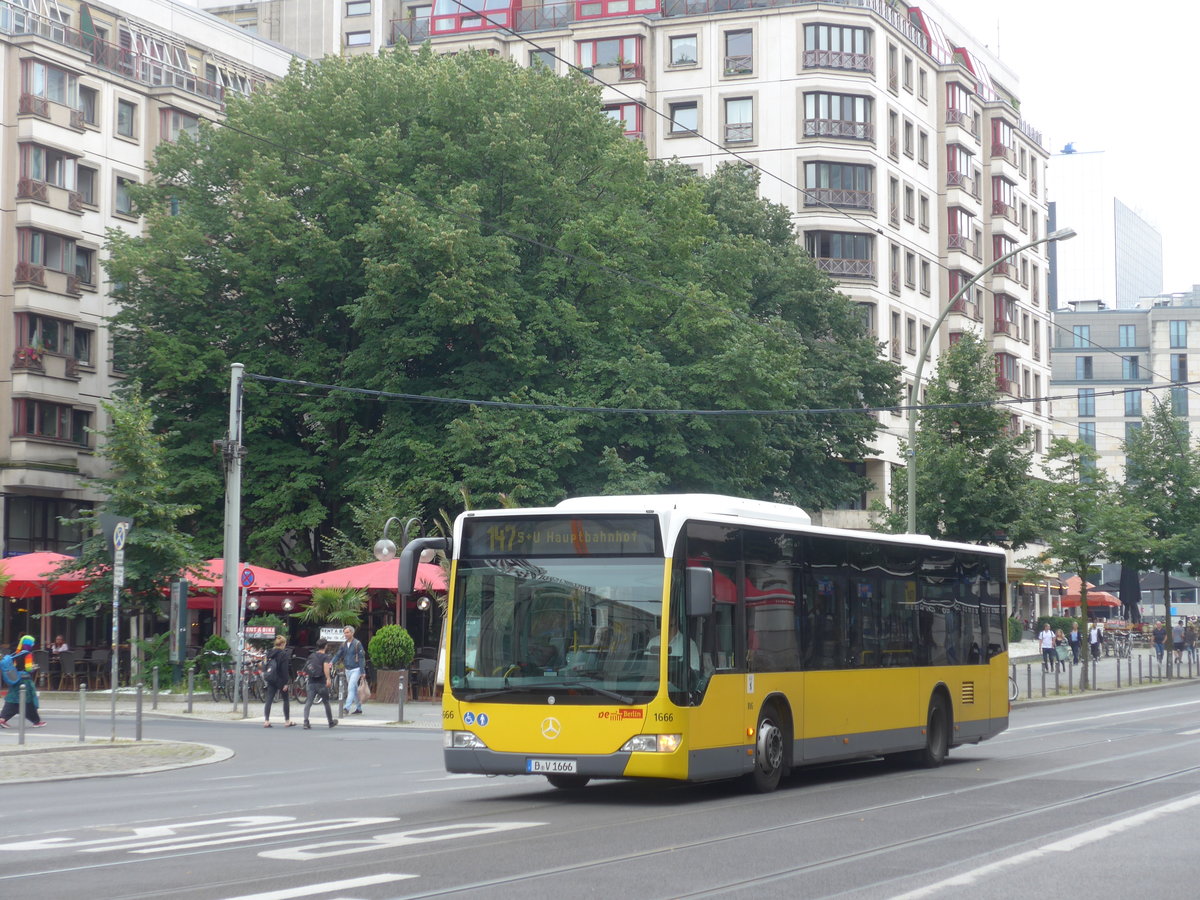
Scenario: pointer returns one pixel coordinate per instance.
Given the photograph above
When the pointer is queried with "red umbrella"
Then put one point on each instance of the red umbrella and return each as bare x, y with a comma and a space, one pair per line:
381, 576
1094, 598
33, 575
212, 578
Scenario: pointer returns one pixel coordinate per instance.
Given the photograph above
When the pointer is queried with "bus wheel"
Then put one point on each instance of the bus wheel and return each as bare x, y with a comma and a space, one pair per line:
568, 782
937, 736
768, 753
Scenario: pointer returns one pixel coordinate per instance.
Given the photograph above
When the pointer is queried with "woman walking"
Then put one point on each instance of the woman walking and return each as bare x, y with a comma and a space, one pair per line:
277, 667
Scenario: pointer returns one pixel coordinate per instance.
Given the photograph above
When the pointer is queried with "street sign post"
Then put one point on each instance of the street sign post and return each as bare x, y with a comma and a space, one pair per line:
119, 535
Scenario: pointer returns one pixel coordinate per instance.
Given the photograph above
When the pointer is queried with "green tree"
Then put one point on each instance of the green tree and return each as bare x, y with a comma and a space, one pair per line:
1162, 476
1083, 518
463, 227
339, 606
141, 487
973, 472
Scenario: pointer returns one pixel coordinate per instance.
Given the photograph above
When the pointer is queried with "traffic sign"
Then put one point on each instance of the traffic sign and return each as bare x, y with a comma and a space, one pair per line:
247, 577
120, 532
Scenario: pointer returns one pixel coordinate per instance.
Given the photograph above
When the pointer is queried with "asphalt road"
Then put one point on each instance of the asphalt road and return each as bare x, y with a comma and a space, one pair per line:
1090, 795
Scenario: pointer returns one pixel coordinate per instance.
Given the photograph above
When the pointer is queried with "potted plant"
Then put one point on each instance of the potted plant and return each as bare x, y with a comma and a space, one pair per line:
391, 649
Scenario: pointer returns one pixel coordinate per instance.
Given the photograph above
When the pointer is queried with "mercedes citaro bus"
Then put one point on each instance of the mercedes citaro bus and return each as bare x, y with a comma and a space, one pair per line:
700, 637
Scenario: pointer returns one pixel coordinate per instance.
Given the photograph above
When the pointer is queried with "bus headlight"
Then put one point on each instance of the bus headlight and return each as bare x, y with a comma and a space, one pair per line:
653, 743
462, 740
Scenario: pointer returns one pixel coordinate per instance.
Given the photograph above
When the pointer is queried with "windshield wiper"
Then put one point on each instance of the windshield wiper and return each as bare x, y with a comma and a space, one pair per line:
603, 692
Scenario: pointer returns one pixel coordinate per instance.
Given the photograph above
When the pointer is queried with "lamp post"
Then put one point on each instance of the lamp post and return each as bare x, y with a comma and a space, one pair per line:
1061, 234
385, 549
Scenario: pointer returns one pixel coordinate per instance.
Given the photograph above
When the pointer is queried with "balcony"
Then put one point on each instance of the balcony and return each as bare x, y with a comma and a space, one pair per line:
837, 59
1004, 152
28, 359
839, 197
739, 65
28, 189
846, 268
961, 242
963, 181
28, 273
1000, 208
29, 105
839, 128
959, 117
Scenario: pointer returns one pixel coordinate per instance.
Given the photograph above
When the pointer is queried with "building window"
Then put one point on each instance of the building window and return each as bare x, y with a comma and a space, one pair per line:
685, 117
1178, 333
543, 58
739, 119
838, 115
895, 336
1129, 368
683, 50
922, 85
89, 100
923, 148
842, 253
1087, 402
1179, 401
739, 52
38, 418
1133, 403
1081, 335
629, 115
1087, 433
910, 204
123, 202
838, 47
1179, 370
908, 74
909, 146
126, 119
1083, 368
175, 122
839, 184
1132, 429
47, 165
1127, 335
85, 266
591, 9
46, 249
925, 277
50, 82
36, 523
625, 52
958, 104
86, 180
358, 39
358, 8
910, 335
923, 212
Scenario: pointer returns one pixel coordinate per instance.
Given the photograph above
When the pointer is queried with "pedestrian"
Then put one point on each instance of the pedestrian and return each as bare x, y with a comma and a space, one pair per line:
277, 670
1095, 639
1046, 642
1075, 639
1189, 641
1060, 650
1159, 636
316, 668
1177, 641
354, 657
24, 667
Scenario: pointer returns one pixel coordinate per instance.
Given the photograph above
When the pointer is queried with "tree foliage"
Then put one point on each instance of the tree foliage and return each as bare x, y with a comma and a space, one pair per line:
141, 487
973, 472
461, 227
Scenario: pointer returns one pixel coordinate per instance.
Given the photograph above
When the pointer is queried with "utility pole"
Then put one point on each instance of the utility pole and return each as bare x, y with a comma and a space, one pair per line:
232, 452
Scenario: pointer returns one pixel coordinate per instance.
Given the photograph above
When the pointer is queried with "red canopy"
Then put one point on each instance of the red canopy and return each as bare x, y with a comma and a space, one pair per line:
32, 575
382, 576
1094, 598
212, 577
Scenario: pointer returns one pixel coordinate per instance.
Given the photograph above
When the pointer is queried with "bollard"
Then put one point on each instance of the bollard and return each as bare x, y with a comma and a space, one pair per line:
1043, 682
1118, 674
21, 714
1095, 672
82, 711
1028, 681
1140, 679
154, 691
137, 727
1071, 680
1057, 683
1129, 671
191, 687
245, 698
403, 691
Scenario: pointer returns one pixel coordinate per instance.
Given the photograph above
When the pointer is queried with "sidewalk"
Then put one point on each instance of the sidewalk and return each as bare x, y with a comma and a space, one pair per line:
1107, 675
56, 757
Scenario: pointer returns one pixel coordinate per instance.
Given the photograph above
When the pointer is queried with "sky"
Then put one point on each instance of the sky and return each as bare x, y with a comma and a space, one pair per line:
1104, 77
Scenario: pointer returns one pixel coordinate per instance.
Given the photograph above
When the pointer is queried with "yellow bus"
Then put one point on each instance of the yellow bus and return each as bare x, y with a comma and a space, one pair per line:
786, 643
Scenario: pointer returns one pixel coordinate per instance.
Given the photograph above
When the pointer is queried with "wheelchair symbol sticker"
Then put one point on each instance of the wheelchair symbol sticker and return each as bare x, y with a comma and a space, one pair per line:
469, 718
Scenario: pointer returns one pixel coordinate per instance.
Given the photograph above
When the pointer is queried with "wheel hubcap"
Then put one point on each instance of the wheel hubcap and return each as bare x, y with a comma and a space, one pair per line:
770, 746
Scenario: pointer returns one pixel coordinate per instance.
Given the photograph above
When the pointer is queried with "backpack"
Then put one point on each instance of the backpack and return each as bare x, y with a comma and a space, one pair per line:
9, 672
314, 666
271, 670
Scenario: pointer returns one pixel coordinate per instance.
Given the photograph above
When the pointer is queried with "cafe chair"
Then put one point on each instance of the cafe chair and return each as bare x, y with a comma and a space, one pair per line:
66, 663
426, 673
41, 659
98, 667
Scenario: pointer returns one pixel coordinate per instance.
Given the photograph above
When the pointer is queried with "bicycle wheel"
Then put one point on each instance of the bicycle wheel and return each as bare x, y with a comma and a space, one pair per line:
1013, 690
299, 688
337, 690
227, 684
214, 684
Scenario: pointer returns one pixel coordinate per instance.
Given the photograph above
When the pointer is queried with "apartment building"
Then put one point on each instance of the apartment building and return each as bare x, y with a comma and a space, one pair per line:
88, 92
1116, 361
890, 133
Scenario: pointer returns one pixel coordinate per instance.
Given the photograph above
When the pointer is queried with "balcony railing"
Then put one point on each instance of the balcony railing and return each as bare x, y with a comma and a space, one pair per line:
1006, 269
1004, 152
960, 180
1000, 208
28, 273
16, 21
846, 268
839, 197
28, 358
860, 131
30, 105
838, 59
29, 189
736, 132
960, 242
739, 65
959, 117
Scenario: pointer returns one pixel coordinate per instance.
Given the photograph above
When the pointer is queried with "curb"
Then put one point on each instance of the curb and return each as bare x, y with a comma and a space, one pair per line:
216, 754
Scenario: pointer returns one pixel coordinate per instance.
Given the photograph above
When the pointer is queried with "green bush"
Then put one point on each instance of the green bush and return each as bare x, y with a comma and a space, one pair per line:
1015, 630
156, 651
267, 619
214, 653
391, 648
1057, 622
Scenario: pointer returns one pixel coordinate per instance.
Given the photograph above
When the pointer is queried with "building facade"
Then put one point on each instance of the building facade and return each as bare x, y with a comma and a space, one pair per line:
1117, 258
890, 133
1115, 362
87, 92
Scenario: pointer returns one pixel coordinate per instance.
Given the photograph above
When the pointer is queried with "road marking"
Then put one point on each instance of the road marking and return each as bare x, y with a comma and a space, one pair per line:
329, 886
1066, 845
142, 833
394, 839
1111, 715
1193, 731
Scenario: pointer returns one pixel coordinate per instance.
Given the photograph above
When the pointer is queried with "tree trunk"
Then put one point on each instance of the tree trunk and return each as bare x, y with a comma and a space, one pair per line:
1170, 639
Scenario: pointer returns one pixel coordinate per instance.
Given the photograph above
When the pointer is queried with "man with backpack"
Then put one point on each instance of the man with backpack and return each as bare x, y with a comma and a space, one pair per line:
16, 673
277, 671
316, 670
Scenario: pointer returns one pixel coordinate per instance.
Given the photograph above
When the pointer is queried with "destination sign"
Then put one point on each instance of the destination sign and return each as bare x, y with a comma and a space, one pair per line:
561, 536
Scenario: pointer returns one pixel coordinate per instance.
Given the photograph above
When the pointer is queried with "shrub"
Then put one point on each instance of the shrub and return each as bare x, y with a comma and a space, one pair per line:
1015, 630
391, 648
267, 619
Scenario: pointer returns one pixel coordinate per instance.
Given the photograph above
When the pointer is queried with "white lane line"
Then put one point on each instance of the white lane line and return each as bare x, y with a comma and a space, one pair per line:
1193, 731
1066, 845
1091, 718
311, 890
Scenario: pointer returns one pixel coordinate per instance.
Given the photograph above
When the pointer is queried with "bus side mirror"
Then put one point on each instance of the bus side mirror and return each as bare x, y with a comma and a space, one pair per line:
698, 590
411, 555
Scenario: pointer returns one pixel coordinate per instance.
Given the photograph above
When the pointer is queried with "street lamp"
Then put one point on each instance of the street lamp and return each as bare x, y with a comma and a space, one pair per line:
1061, 235
385, 549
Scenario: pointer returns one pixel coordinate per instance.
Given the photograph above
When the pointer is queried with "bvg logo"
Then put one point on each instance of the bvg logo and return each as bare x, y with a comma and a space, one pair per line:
551, 728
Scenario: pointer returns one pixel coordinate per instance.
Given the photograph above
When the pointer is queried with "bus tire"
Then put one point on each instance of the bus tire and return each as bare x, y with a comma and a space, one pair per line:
568, 782
770, 757
937, 735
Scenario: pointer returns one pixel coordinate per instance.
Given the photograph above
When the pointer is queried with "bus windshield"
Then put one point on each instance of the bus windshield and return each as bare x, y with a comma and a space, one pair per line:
576, 626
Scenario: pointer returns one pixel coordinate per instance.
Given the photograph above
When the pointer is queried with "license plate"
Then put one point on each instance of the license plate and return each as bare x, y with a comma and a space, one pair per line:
550, 766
